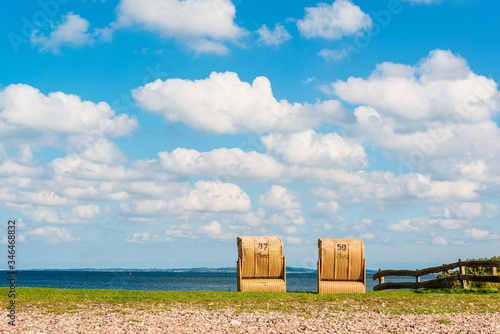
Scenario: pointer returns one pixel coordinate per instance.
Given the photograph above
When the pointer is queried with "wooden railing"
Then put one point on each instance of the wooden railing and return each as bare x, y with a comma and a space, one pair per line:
493, 278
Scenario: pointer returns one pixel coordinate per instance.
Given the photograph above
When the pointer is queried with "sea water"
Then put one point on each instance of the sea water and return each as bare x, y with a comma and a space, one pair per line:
163, 281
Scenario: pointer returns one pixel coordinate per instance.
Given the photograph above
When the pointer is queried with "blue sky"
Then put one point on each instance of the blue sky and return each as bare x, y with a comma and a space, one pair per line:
151, 133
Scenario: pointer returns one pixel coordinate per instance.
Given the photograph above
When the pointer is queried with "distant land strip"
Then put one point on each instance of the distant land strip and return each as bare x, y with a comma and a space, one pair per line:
289, 270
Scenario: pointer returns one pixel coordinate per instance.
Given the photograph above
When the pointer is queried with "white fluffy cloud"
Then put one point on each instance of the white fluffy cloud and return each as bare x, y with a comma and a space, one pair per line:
223, 103
386, 190
52, 235
463, 210
363, 225
224, 163
309, 148
436, 116
101, 150
275, 36
73, 31
290, 229
10, 168
422, 223
280, 198
476, 234
325, 209
183, 201
141, 238
333, 55
367, 236
341, 18
215, 196
88, 211
54, 210
202, 24
214, 230
23, 107
146, 209
439, 241
441, 88
329, 207
76, 167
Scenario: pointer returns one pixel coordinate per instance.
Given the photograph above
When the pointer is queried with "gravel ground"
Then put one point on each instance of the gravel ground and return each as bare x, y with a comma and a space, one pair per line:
106, 319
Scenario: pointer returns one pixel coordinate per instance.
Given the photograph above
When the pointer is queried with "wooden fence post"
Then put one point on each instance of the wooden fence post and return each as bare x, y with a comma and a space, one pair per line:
417, 280
381, 278
462, 272
494, 270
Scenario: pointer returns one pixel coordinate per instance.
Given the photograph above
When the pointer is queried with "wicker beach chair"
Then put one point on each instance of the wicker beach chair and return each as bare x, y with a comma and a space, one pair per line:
261, 264
341, 266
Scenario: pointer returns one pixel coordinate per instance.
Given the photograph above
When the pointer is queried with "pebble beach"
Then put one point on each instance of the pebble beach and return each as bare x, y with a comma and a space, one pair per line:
182, 319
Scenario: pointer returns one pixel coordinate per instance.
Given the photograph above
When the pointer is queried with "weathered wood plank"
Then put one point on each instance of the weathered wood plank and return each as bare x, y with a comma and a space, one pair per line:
394, 285
437, 282
390, 272
433, 270
481, 278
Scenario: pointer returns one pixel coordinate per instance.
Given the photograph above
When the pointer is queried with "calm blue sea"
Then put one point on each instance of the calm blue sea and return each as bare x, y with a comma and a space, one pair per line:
161, 281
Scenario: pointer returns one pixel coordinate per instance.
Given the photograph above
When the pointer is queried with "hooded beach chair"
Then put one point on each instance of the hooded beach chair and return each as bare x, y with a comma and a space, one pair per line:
341, 266
261, 264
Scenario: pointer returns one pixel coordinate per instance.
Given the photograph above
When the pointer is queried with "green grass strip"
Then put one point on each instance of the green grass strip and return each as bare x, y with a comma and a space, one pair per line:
397, 302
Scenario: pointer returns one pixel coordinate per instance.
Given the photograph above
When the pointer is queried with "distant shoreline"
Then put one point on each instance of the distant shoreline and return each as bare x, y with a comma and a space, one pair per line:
289, 270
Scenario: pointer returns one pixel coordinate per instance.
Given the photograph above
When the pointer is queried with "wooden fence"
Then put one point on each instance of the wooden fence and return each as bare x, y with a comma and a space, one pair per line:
494, 278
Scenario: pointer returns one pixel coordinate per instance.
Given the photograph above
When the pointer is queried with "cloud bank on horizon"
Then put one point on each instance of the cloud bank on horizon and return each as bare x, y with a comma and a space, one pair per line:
403, 154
